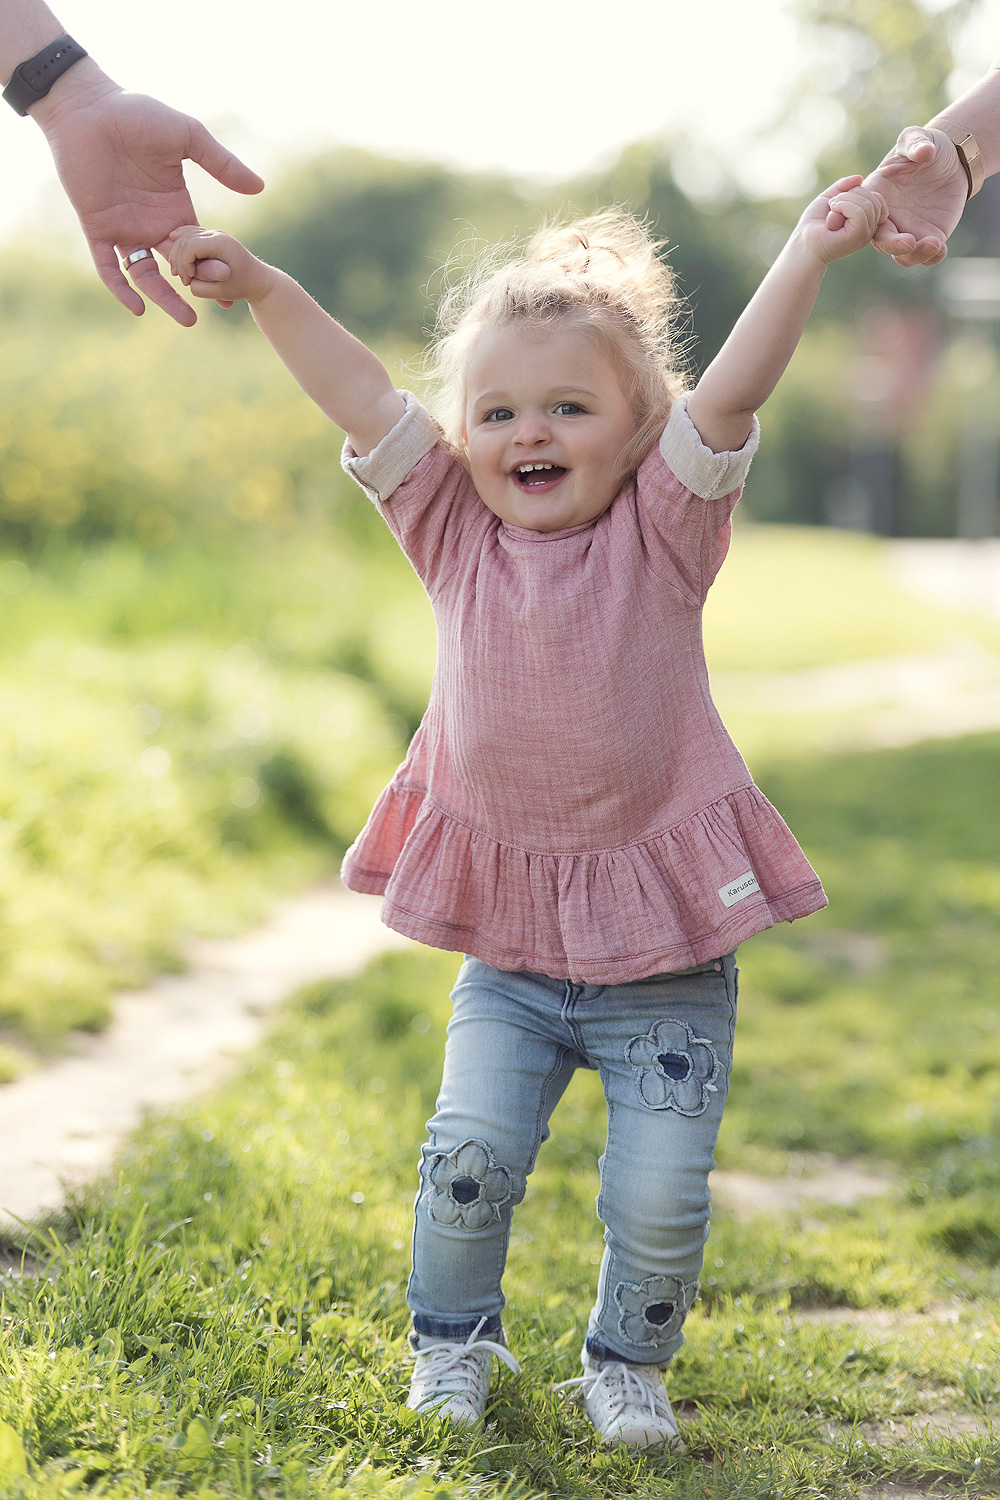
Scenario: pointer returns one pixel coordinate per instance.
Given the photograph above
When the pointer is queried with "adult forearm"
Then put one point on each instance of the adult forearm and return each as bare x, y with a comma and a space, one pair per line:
26, 26
978, 111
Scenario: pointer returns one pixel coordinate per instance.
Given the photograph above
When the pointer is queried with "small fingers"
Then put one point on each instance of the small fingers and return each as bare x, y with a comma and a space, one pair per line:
187, 246
843, 186
863, 208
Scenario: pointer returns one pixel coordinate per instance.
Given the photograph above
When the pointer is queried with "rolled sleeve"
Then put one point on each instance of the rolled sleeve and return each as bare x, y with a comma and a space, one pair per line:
383, 470
706, 474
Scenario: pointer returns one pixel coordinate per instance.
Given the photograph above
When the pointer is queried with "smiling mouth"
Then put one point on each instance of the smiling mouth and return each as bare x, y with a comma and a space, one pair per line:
536, 477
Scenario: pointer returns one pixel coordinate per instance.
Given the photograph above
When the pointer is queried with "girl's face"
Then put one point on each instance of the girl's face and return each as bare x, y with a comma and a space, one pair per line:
546, 423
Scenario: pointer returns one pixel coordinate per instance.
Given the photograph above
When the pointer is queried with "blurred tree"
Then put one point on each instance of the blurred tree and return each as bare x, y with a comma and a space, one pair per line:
365, 234
368, 236
853, 428
89, 450
707, 246
884, 64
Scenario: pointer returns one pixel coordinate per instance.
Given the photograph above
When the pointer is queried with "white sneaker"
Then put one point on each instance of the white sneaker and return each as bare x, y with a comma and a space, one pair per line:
628, 1404
452, 1380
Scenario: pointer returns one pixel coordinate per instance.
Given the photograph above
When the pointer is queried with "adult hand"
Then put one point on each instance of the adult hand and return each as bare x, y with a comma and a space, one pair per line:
925, 189
120, 158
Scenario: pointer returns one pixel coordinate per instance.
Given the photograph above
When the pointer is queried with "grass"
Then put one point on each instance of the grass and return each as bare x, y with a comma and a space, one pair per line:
228, 1318
793, 597
157, 786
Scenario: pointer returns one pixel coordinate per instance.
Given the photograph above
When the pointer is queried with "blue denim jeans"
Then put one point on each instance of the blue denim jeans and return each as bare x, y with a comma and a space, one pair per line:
663, 1047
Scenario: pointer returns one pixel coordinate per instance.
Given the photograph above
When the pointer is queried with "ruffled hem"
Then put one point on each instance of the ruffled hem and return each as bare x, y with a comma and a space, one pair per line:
600, 918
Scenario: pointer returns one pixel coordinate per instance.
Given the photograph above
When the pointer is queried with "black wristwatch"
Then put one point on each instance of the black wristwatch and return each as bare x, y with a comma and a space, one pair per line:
33, 79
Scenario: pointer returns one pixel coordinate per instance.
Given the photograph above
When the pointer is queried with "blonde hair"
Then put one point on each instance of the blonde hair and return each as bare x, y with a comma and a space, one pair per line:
604, 273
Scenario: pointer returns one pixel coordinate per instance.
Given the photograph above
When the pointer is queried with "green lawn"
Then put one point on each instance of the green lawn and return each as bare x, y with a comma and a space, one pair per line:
228, 1317
792, 597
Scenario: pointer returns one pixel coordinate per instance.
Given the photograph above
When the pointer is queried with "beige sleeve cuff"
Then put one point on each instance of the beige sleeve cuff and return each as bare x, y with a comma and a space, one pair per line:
383, 469
708, 475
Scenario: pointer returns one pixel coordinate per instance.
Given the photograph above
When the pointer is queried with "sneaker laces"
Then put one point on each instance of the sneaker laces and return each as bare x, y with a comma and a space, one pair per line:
453, 1362
624, 1386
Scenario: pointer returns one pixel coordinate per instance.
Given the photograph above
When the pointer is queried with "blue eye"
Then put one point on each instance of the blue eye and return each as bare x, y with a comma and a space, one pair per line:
568, 408
499, 414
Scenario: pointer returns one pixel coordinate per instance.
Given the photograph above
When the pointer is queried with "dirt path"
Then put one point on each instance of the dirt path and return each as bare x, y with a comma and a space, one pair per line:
61, 1125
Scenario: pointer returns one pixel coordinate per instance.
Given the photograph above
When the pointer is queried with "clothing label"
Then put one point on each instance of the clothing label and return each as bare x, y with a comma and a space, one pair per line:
736, 890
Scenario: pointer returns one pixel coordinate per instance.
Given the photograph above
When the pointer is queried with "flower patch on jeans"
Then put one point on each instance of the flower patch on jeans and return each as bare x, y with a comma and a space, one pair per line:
467, 1187
677, 1070
653, 1310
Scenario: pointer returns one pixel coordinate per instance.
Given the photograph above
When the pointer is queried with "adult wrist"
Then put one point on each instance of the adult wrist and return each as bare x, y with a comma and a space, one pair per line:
83, 85
33, 78
968, 153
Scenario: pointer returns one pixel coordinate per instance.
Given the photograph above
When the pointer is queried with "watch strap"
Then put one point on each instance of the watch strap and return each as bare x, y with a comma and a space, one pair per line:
967, 146
33, 79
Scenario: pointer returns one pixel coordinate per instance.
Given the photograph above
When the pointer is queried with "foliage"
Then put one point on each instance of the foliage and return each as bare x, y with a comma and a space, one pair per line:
365, 234
113, 428
887, 62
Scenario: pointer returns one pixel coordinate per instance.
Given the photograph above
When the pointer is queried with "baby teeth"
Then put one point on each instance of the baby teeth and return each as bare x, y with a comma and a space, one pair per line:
527, 468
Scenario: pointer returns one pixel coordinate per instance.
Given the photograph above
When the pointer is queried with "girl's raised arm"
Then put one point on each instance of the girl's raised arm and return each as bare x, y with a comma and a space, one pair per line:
756, 353
342, 376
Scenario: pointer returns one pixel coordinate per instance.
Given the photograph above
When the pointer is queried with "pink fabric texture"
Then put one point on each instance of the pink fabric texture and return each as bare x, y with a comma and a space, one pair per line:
571, 803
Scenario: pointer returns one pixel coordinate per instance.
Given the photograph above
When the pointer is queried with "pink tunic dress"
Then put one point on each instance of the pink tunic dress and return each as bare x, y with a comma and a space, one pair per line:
571, 803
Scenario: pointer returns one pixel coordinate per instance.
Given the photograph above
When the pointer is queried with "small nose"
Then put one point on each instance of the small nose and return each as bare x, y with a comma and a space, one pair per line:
532, 429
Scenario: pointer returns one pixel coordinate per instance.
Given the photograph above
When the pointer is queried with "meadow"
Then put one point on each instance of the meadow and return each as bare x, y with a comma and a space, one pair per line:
202, 686
226, 1317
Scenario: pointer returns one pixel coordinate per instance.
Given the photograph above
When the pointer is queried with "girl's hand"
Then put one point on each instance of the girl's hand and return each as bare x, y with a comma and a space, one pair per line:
217, 266
841, 220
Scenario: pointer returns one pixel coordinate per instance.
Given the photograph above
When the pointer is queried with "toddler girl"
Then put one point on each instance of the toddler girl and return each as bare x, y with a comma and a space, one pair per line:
571, 813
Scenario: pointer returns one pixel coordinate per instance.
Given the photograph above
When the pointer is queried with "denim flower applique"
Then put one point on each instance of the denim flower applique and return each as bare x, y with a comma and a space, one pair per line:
468, 1186
677, 1070
653, 1310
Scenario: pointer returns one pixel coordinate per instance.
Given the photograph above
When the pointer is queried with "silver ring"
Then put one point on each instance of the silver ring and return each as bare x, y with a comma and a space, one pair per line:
136, 255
